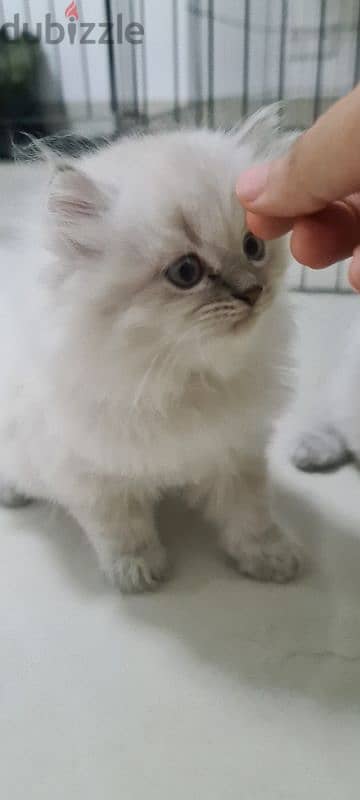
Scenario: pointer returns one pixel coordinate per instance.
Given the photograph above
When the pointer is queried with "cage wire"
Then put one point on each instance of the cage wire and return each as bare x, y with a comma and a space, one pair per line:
201, 62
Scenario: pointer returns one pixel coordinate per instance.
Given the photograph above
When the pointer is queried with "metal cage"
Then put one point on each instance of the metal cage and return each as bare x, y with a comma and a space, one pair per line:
200, 62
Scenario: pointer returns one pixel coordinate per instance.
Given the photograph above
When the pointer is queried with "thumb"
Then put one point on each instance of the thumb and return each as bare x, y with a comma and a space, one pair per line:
323, 165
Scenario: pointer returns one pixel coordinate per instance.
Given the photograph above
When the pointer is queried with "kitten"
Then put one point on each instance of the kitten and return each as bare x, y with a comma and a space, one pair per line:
144, 348
332, 435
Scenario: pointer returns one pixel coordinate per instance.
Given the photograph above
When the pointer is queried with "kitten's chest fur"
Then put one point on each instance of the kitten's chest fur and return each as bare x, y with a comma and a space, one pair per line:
209, 426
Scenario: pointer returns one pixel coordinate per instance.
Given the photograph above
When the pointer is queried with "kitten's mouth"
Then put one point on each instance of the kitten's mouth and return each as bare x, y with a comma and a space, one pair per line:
232, 316
238, 324
251, 296
251, 314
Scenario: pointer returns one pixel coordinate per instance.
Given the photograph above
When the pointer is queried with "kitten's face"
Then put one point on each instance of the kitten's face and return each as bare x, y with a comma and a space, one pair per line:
174, 263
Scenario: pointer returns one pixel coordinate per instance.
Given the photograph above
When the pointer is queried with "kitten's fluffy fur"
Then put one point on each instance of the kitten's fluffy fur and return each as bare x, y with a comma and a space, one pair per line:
332, 434
116, 385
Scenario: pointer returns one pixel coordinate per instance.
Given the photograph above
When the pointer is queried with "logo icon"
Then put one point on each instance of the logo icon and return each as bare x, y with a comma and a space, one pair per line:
71, 12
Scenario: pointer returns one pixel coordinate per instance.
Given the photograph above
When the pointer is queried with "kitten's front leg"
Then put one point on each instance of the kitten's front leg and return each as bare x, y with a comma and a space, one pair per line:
121, 527
260, 549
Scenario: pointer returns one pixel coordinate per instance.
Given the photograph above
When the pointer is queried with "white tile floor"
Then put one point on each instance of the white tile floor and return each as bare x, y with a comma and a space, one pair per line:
214, 688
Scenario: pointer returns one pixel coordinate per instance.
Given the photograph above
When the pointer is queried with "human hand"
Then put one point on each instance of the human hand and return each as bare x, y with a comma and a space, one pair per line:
314, 191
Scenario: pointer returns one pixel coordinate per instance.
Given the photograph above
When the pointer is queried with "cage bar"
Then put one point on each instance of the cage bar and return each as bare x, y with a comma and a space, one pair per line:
176, 71
114, 101
319, 62
85, 69
145, 103
134, 75
27, 13
57, 57
246, 50
211, 64
357, 51
282, 55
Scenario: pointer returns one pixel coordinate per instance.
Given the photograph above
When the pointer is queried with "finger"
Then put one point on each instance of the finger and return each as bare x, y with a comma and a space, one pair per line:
322, 166
268, 227
327, 236
354, 270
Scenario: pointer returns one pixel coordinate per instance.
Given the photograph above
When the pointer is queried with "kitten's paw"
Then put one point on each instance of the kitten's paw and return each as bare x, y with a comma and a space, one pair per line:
320, 449
272, 557
139, 572
10, 498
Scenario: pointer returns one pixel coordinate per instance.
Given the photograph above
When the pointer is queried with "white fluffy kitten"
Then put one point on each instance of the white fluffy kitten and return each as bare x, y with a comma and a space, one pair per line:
144, 348
332, 435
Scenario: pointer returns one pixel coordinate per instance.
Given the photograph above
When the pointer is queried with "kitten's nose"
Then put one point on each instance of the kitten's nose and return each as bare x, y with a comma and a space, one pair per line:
251, 295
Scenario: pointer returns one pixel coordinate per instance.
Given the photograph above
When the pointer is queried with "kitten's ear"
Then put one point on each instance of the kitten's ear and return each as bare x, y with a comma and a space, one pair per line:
263, 133
77, 207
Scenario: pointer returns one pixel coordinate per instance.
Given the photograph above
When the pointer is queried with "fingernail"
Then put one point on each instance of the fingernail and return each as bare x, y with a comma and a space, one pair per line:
252, 182
355, 288
354, 273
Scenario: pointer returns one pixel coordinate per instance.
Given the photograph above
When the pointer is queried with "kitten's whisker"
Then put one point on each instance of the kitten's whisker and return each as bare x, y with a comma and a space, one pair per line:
142, 383
205, 382
153, 364
176, 344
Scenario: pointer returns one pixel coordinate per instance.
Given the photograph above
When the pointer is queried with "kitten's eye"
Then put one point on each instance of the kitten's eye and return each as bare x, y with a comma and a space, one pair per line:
253, 248
186, 272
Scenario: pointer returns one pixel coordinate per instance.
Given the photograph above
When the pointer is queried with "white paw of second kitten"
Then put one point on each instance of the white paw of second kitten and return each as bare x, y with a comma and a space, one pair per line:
141, 571
270, 558
319, 449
